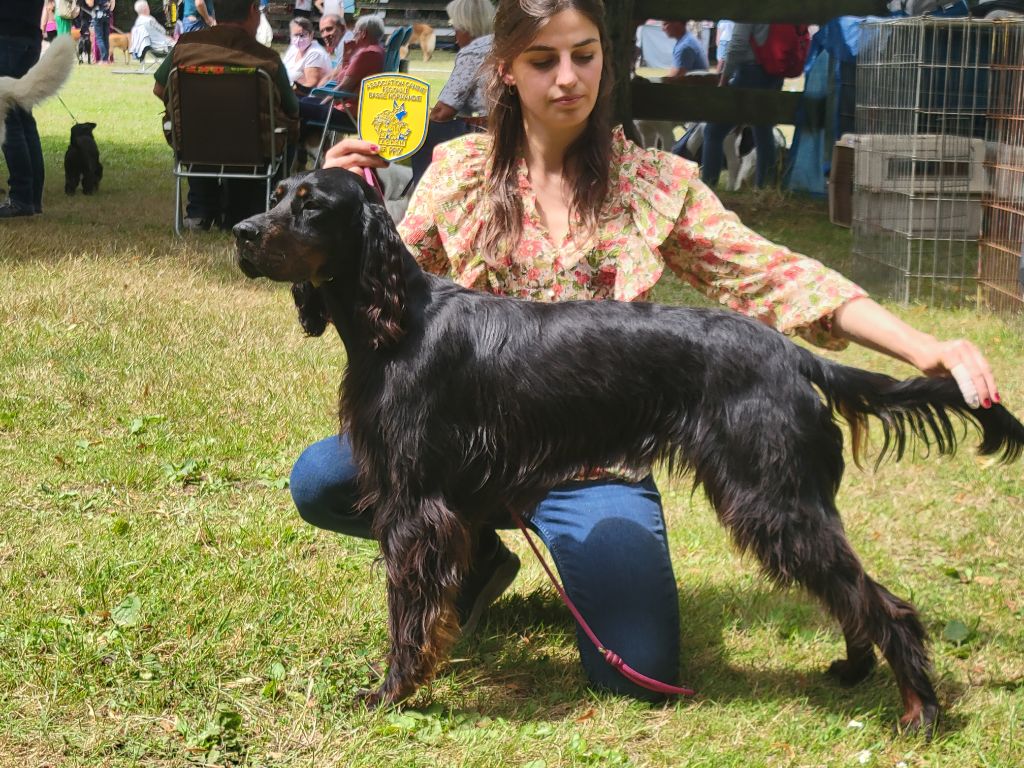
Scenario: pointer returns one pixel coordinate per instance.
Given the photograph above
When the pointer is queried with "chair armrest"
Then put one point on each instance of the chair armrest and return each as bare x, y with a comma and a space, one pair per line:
331, 92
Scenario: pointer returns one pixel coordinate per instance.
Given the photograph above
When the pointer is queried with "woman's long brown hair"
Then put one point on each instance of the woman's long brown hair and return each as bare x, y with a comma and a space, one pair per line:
516, 24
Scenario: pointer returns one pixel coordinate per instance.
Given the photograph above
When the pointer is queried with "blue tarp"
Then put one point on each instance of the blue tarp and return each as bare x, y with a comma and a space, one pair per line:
831, 58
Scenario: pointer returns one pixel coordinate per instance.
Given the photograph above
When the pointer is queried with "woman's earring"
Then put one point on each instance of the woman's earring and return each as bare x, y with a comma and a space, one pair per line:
510, 89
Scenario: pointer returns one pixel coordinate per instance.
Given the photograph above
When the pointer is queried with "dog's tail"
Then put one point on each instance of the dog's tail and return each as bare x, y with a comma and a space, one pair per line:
919, 409
46, 77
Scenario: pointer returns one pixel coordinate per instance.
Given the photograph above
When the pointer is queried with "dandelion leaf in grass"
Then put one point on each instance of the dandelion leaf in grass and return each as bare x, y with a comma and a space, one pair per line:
956, 632
128, 612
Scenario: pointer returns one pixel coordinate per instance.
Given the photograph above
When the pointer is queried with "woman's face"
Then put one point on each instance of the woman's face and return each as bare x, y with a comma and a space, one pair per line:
300, 37
558, 75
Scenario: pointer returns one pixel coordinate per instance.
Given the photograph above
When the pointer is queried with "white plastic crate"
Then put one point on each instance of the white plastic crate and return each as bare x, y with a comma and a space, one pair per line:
957, 218
920, 164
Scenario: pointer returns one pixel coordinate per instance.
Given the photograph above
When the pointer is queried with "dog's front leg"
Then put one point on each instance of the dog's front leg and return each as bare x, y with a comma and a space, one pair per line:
426, 551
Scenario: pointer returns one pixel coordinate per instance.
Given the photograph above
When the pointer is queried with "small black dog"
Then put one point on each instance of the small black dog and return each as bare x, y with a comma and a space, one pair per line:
84, 51
82, 160
460, 404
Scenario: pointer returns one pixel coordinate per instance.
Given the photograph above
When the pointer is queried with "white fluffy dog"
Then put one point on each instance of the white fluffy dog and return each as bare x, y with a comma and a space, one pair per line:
40, 82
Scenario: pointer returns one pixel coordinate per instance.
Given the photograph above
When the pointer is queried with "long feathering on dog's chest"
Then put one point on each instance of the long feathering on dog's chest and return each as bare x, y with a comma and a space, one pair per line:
382, 278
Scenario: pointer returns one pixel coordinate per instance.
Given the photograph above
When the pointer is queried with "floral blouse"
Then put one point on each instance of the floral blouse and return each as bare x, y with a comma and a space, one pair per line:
657, 213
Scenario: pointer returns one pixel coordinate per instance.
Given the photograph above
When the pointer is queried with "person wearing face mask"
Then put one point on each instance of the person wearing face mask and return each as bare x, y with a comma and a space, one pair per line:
306, 60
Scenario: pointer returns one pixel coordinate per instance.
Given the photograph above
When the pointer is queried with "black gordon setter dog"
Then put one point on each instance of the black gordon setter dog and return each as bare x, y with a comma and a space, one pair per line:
463, 405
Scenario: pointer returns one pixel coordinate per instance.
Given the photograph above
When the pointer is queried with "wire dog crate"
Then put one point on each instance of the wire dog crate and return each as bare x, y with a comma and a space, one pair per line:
919, 169
1001, 268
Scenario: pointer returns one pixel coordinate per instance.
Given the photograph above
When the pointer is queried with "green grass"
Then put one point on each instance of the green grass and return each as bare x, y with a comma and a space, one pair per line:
161, 604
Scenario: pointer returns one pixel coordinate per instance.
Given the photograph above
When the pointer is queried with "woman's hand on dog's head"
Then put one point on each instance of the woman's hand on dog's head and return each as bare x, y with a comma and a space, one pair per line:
354, 154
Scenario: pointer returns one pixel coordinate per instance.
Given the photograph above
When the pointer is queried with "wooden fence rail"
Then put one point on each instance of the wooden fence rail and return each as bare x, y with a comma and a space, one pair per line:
705, 101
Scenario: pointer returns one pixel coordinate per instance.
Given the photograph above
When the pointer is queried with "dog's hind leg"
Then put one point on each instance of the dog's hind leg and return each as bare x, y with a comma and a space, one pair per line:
777, 500
426, 550
871, 615
801, 541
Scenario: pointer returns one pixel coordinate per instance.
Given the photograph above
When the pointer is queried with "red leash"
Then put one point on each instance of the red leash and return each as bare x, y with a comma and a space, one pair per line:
610, 656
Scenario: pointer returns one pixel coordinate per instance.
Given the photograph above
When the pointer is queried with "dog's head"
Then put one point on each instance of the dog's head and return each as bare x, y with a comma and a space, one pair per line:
82, 129
329, 226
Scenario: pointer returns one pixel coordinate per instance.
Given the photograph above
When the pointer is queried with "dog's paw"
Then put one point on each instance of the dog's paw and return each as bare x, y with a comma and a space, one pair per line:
849, 672
923, 722
370, 699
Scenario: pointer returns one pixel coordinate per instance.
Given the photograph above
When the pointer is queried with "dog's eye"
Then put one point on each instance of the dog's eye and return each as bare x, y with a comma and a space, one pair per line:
310, 204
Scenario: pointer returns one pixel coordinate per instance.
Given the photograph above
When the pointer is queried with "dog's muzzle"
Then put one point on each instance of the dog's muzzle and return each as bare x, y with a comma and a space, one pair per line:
247, 235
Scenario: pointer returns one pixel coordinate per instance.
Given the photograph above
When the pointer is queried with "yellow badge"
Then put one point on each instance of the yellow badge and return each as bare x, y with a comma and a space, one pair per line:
393, 114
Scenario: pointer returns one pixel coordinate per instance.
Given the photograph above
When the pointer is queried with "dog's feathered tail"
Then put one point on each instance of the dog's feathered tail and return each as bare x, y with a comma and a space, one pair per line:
41, 82
919, 409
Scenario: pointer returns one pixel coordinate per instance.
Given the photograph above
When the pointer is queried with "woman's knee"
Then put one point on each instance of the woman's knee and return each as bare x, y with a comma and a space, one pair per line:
655, 655
323, 485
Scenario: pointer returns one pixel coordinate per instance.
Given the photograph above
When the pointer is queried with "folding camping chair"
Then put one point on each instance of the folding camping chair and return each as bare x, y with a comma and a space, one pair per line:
223, 126
155, 57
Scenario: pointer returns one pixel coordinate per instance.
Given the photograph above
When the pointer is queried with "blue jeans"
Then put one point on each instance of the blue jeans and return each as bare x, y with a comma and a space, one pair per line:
749, 75
22, 150
101, 33
192, 25
607, 539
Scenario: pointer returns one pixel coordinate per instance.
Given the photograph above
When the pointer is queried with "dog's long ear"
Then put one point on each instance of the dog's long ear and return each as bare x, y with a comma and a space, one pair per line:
313, 314
381, 280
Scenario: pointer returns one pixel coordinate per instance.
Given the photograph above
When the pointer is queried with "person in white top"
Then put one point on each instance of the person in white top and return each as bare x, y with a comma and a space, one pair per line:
306, 60
148, 33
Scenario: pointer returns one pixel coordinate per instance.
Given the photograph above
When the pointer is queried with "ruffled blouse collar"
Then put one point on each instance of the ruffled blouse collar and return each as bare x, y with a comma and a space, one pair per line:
646, 193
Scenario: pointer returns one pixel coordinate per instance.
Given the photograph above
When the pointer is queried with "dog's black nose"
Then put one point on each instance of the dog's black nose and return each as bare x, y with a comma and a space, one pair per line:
246, 231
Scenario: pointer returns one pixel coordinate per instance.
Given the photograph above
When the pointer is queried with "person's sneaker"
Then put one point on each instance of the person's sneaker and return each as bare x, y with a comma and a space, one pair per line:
487, 579
11, 209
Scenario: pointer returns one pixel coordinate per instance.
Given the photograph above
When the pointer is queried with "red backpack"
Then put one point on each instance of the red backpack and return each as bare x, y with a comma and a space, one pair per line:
784, 51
